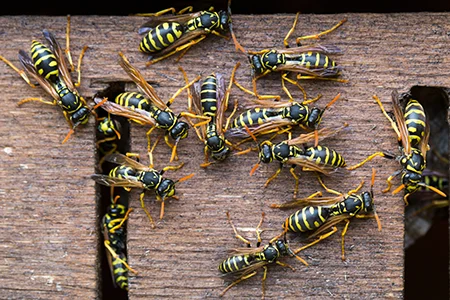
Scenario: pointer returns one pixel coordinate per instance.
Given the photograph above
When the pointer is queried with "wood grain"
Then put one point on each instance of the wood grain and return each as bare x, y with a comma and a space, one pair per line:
49, 233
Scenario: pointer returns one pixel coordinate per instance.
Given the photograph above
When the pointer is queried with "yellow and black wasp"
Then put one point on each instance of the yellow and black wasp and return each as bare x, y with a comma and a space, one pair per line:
165, 35
149, 109
132, 174
264, 117
245, 262
411, 127
321, 159
322, 213
113, 228
109, 129
51, 70
210, 99
308, 62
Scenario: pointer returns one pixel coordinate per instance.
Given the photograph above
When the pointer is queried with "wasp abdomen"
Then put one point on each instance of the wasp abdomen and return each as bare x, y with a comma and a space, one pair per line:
133, 100
307, 219
325, 155
161, 37
415, 121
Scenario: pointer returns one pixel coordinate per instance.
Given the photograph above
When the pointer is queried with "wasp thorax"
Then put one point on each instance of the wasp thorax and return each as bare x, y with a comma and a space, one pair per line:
256, 63
411, 178
367, 199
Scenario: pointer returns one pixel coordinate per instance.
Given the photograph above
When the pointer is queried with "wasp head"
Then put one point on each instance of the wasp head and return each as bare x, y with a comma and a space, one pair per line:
411, 181
265, 152
165, 189
179, 130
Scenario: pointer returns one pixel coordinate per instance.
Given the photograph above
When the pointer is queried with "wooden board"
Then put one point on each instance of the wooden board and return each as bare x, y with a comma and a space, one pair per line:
49, 233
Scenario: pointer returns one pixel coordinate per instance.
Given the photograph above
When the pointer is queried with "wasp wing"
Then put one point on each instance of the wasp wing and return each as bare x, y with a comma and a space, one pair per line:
325, 49
309, 165
121, 159
63, 67
115, 181
28, 64
137, 115
154, 21
322, 133
140, 81
222, 103
401, 123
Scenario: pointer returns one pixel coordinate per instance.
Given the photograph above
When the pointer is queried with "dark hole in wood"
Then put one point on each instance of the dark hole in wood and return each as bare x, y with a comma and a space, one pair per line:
427, 256
106, 287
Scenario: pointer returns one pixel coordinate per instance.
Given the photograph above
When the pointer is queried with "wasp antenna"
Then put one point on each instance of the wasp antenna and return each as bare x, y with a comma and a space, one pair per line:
185, 178
254, 168
441, 193
378, 221
68, 135
334, 100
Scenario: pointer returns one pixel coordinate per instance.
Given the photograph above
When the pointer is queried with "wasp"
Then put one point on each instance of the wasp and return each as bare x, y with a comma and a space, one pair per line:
165, 35
132, 174
245, 262
322, 213
114, 241
413, 133
308, 62
50, 68
318, 158
210, 99
271, 116
149, 108
109, 129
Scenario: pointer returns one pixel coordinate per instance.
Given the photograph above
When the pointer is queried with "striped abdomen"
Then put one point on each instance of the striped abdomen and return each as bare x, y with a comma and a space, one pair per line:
313, 60
133, 100
120, 271
122, 172
307, 219
438, 182
324, 155
236, 263
415, 121
254, 116
208, 96
161, 37
45, 62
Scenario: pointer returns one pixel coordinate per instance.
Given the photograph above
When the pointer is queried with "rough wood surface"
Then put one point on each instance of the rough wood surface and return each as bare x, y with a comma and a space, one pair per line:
48, 228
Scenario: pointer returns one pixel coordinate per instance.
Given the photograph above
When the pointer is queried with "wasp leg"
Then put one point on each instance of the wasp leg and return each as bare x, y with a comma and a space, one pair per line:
54, 102
303, 77
274, 175
285, 42
164, 11
171, 168
122, 220
113, 149
237, 281
321, 237
388, 181
331, 191
141, 199
79, 70
296, 177
254, 92
114, 254
369, 158
393, 124
318, 35
344, 231
236, 234
20, 72
206, 162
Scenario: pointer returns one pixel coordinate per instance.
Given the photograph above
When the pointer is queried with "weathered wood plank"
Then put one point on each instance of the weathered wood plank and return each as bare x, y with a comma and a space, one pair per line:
49, 229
